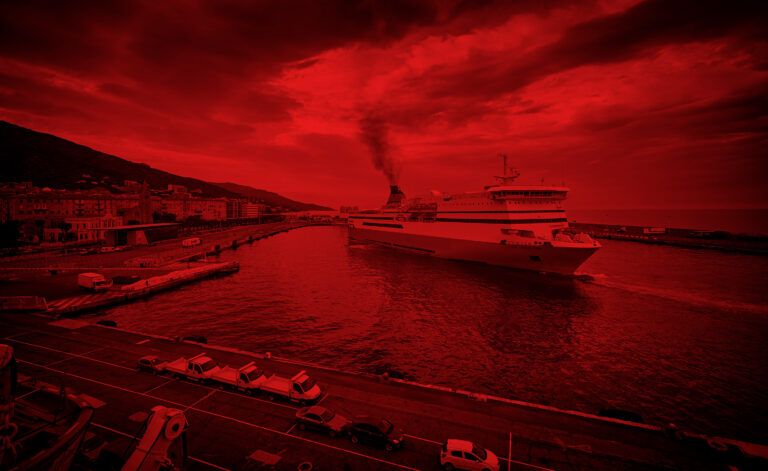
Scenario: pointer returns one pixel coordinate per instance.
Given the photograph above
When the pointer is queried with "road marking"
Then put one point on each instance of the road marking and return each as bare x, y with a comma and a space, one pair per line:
58, 362
16, 335
136, 438
242, 422
72, 354
140, 342
527, 464
423, 439
207, 463
274, 403
201, 400
289, 430
509, 453
322, 399
161, 385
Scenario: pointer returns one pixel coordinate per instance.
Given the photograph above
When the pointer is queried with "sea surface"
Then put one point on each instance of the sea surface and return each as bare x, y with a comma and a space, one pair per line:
676, 335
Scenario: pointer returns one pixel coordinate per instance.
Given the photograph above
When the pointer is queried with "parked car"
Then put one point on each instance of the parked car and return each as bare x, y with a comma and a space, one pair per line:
322, 420
108, 249
461, 454
150, 364
375, 431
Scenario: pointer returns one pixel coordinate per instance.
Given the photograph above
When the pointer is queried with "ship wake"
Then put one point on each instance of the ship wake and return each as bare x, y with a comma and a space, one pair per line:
690, 298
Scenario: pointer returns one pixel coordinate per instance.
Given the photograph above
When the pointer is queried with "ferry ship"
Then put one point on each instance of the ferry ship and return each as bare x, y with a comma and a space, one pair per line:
523, 227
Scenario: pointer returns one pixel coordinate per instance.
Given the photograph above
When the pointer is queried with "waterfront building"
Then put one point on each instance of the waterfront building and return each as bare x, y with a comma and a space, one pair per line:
142, 234
234, 209
253, 210
59, 204
91, 229
185, 206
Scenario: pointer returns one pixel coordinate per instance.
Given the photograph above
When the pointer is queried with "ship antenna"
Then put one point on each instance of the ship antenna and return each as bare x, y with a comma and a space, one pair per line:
504, 158
507, 176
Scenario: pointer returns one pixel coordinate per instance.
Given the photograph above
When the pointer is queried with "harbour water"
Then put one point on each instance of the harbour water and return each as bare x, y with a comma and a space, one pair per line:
676, 335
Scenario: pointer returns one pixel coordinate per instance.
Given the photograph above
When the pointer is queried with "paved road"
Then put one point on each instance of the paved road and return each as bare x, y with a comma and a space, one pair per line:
226, 426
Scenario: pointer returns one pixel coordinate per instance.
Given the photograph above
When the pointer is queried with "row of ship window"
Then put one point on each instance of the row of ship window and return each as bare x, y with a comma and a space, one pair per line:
544, 194
495, 204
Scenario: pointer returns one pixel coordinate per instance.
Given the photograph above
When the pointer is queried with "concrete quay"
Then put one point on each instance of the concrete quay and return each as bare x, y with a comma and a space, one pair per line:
687, 238
225, 427
140, 289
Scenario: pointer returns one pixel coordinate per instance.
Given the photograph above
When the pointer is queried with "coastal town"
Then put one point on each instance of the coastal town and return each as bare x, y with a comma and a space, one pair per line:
47, 215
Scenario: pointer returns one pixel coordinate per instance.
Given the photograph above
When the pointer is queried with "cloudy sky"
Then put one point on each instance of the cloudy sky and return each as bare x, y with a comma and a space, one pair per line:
658, 104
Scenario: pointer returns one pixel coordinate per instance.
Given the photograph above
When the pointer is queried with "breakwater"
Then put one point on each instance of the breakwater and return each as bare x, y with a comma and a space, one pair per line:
689, 238
140, 289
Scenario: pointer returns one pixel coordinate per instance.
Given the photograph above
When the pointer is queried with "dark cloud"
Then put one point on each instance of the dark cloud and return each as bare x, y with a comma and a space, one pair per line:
190, 56
78, 37
228, 34
608, 39
215, 86
34, 97
259, 107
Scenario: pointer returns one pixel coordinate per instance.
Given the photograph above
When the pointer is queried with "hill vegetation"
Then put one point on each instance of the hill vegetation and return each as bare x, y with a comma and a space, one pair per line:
50, 161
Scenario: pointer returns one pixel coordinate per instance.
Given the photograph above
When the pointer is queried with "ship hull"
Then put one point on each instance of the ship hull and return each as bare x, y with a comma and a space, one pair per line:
547, 259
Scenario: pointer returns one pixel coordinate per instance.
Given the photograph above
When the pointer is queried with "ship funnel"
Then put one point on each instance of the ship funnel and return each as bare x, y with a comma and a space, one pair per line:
396, 196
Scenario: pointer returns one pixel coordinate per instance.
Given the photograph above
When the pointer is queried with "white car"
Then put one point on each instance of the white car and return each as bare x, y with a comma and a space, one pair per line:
461, 454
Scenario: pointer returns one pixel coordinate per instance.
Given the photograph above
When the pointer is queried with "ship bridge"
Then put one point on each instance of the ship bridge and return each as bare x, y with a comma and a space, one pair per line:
516, 192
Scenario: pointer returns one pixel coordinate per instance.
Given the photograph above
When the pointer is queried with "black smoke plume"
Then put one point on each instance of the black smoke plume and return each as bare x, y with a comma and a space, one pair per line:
374, 132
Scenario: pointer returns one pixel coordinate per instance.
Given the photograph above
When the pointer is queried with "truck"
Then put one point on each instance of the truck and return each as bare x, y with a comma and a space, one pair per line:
191, 242
93, 282
301, 388
247, 378
200, 368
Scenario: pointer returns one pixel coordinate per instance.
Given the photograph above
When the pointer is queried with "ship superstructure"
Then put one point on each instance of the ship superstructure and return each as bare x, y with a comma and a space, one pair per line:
505, 224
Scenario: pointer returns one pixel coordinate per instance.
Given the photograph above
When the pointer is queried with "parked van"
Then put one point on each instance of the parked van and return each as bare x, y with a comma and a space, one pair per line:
191, 242
93, 282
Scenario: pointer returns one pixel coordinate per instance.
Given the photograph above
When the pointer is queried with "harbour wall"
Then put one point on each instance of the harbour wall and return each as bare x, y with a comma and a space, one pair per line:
689, 238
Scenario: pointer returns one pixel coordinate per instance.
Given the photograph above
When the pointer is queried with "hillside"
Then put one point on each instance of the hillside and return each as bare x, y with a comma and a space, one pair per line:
50, 161
270, 198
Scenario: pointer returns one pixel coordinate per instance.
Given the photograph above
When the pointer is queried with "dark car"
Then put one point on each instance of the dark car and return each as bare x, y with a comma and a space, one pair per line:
150, 364
375, 431
322, 420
